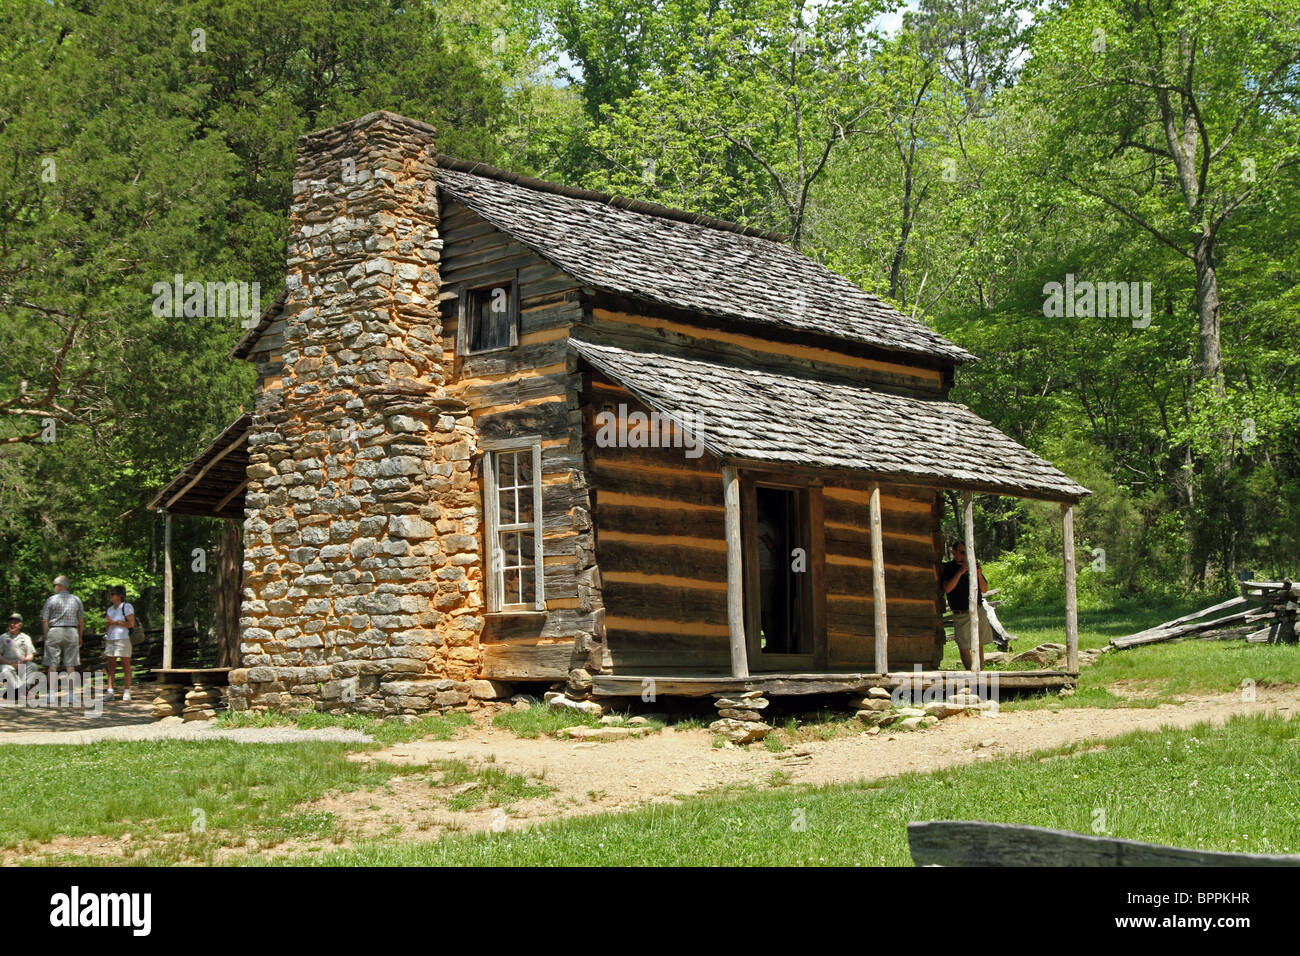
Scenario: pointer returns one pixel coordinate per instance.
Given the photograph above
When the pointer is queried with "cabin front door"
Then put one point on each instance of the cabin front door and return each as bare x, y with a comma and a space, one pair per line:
779, 585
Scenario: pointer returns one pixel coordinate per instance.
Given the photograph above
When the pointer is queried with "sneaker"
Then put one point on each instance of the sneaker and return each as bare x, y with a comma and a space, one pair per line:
126, 694
108, 694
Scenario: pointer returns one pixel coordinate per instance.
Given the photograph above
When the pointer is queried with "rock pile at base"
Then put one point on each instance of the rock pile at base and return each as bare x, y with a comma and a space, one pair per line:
188, 701
740, 717
169, 700
878, 710
203, 701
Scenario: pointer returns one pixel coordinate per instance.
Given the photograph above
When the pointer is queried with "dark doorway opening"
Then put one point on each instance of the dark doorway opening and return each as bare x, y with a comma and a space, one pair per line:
781, 533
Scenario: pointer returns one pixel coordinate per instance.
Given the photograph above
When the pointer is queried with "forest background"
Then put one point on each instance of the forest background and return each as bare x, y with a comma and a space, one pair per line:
956, 157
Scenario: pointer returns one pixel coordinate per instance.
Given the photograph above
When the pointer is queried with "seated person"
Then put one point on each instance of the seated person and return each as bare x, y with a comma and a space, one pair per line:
16, 652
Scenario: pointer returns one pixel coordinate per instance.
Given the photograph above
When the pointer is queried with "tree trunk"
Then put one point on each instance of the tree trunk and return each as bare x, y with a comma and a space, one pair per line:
229, 592
1207, 308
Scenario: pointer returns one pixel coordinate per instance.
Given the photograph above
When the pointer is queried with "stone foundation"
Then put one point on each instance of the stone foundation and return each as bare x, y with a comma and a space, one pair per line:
362, 570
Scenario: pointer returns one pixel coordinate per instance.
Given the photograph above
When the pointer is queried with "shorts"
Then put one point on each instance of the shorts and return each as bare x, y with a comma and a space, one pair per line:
117, 647
961, 629
62, 647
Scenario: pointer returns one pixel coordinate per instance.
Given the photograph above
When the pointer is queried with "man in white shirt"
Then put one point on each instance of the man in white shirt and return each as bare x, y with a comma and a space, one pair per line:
16, 652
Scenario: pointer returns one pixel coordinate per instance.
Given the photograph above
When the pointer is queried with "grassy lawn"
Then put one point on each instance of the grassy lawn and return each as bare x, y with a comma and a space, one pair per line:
186, 801
1150, 675
1235, 788
152, 789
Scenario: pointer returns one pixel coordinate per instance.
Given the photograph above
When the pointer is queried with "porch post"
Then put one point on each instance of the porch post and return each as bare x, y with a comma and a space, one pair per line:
1071, 600
167, 590
973, 576
735, 572
878, 584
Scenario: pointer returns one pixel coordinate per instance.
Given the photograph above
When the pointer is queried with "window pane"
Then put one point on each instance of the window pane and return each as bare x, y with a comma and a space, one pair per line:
508, 511
528, 591
525, 505
510, 592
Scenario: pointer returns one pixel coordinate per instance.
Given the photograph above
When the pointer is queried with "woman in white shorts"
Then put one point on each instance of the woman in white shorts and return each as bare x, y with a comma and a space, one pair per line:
117, 639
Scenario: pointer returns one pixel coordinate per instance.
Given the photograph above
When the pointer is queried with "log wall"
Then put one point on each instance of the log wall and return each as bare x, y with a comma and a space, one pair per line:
530, 389
913, 550
660, 548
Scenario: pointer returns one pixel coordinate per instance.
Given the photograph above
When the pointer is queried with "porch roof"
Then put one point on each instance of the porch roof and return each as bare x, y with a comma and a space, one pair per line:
212, 484
749, 415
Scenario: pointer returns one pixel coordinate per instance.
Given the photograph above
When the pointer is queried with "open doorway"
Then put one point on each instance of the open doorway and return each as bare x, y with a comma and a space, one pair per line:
784, 585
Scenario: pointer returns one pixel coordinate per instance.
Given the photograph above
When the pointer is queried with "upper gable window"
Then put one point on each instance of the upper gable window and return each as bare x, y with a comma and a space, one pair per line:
489, 318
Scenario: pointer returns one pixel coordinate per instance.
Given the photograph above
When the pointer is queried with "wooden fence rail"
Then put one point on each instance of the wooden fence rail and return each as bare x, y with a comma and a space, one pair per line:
976, 843
191, 650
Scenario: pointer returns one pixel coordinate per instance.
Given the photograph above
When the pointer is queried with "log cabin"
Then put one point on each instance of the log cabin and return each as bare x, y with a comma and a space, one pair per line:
507, 432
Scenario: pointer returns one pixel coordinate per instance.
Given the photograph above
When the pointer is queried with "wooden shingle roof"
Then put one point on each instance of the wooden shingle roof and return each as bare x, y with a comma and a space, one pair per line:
212, 484
683, 261
755, 416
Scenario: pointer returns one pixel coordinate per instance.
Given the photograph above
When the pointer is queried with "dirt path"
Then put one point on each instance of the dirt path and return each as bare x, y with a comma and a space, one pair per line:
588, 778
622, 775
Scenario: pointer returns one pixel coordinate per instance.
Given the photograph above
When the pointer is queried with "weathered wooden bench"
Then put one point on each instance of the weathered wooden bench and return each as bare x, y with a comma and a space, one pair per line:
976, 843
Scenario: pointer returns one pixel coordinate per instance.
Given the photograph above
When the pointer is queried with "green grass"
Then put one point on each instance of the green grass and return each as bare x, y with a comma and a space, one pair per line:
153, 789
384, 731
1150, 675
1232, 788
541, 720
493, 787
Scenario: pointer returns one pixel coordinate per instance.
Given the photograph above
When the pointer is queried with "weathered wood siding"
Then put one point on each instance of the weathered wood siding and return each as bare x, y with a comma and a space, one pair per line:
660, 549
913, 549
913, 546
804, 356
267, 356
530, 389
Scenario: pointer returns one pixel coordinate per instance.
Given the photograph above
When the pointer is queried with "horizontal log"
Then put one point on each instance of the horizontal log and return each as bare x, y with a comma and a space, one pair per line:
899, 582
626, 457
662, 558
626, 599
662, 484
529, 661
520, 358
694, 523
518, 389
761, 351
856, 515
916, 552
857, 617
560, 623
549, 420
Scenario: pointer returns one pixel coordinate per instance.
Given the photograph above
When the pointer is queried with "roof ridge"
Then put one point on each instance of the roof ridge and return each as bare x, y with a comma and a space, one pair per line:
642, 206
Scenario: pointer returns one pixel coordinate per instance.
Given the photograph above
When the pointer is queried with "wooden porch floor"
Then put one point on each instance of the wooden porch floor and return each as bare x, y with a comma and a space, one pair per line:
793, 685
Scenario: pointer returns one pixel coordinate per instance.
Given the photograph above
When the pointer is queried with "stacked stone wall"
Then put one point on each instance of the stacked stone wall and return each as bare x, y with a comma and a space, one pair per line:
362, 572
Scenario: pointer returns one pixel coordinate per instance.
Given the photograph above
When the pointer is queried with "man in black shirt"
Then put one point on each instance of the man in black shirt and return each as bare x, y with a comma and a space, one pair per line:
955, 577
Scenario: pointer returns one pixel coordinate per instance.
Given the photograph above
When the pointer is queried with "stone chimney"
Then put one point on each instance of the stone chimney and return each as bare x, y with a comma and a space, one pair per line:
362, 572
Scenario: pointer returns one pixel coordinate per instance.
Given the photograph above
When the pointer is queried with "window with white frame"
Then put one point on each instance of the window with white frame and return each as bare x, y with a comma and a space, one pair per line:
513, 505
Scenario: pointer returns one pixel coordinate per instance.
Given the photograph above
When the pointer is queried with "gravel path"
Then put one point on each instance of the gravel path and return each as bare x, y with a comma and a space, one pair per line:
194, 730
132, 722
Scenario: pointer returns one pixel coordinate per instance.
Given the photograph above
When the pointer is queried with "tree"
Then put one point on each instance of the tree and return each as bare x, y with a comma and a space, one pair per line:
744, 121
1176, 114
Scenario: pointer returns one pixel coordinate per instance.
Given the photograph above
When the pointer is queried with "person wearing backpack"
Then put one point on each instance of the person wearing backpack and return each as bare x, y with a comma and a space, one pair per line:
117, 639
